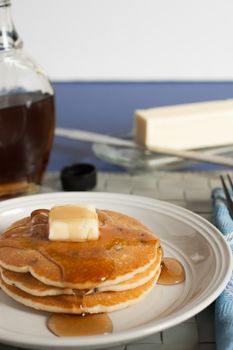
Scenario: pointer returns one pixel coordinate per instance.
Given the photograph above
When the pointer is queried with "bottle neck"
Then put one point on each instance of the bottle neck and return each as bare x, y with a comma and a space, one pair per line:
9, 38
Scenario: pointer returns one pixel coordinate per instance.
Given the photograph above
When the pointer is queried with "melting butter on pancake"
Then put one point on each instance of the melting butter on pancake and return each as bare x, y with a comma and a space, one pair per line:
74, 223
125, 248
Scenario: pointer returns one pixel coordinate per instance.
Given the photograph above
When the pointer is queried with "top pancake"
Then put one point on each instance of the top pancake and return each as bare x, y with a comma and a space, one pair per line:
124, 248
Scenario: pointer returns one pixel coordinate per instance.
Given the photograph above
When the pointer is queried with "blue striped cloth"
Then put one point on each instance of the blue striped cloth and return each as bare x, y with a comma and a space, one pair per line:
224, 304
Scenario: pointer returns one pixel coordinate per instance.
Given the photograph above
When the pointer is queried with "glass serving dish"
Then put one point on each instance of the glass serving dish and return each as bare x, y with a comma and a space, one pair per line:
137, 160
134, 159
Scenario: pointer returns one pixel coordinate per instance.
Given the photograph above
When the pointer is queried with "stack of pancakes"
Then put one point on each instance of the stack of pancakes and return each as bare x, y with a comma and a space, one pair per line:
108, 274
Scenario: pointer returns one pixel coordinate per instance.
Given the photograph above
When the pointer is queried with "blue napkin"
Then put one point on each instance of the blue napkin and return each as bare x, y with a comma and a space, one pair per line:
224, 304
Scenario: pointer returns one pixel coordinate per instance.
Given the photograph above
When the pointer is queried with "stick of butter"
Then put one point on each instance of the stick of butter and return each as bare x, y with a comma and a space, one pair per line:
74, 223
187, 126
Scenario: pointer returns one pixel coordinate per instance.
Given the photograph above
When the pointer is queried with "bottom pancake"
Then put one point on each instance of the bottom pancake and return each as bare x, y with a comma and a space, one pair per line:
76, 304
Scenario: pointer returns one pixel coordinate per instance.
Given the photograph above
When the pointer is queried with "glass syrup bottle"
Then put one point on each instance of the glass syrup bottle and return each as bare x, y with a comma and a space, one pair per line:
27, 113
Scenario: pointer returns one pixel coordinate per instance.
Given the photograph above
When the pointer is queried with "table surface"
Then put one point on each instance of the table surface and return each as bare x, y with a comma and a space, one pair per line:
188, 190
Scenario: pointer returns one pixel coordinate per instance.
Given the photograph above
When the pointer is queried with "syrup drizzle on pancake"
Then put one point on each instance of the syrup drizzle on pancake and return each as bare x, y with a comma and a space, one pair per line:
64, 325
172, 272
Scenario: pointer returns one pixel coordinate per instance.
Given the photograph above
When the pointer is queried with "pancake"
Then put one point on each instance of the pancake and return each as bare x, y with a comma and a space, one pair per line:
125, 248
76, 304
104, 275
29, 284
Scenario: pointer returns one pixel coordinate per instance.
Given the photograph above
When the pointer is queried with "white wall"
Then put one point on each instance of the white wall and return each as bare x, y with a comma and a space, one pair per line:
129, 39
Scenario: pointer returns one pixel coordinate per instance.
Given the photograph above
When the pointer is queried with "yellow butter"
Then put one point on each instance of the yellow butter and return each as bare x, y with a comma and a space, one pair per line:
186, 126
74, 223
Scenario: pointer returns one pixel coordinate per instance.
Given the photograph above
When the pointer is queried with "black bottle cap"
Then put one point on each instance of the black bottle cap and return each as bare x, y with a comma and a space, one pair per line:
78, 177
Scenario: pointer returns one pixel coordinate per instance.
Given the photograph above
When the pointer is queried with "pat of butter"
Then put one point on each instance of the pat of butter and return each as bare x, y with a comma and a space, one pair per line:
74, 223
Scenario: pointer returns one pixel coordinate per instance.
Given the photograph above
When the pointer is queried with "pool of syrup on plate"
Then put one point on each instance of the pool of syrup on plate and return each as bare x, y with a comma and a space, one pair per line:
64, 325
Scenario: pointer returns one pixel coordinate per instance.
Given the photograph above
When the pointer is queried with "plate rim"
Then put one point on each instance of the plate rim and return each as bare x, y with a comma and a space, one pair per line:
139, 331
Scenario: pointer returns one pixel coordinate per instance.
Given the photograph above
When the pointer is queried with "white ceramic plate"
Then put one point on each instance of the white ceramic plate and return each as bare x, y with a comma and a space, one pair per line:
184, 235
